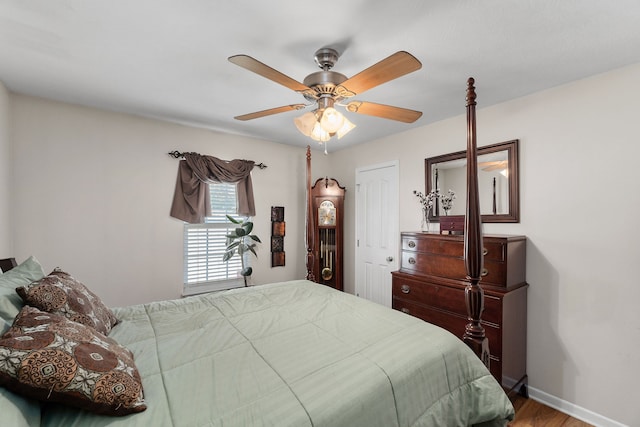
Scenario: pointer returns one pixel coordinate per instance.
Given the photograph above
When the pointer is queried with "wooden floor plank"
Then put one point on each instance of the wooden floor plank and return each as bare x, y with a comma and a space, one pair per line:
530, 413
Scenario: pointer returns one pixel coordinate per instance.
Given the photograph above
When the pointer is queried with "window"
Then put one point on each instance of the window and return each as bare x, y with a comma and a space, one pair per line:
204, 246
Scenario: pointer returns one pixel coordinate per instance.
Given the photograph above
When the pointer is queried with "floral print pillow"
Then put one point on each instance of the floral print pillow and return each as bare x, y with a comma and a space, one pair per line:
47, 357
60, 293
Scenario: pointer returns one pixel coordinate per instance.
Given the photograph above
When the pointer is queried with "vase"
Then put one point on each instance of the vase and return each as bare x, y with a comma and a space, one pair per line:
425, 222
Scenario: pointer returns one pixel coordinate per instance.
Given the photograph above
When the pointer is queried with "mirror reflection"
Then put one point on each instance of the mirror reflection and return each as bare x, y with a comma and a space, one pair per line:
497, 182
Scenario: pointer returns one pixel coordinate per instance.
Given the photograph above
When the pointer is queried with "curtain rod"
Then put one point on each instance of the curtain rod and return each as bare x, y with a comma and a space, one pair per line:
176, 154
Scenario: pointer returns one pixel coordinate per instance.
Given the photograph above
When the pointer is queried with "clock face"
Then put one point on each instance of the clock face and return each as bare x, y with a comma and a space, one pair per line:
327, 214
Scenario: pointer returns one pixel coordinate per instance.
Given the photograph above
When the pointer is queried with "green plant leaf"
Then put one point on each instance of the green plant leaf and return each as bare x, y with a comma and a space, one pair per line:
233, 246
251, 248
240, 232
255, 238
233, 220
248, 226
228, 255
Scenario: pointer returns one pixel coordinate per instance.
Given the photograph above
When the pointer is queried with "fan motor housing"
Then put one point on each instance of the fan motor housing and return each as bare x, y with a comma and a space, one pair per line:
326, 58
324, 82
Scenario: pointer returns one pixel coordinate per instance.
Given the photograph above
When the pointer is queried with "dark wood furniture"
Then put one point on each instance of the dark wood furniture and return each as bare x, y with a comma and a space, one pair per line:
7, 264
431, 285
327, 209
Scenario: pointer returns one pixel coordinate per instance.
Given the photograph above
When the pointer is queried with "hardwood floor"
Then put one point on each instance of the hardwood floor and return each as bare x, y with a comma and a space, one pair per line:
530, 413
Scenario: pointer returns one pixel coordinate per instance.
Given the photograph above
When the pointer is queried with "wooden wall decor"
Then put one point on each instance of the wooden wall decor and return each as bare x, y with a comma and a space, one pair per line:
277, 236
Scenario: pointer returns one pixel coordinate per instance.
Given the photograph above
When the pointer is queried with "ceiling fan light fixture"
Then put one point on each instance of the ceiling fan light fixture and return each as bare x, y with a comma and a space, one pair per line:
332, 120
347, 126
309, 125
306, 122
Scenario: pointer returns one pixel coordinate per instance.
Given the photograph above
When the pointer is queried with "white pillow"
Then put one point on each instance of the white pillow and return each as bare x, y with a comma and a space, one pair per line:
10, 302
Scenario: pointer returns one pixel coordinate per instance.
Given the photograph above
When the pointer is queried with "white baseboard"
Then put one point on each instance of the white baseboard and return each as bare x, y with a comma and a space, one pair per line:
573, 410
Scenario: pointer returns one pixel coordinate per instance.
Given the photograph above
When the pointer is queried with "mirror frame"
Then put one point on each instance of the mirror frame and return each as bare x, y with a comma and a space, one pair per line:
511, 147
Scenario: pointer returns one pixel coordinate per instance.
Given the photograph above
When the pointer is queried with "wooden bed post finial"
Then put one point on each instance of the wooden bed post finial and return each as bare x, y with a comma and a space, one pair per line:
309, 221
474, 334
471, 92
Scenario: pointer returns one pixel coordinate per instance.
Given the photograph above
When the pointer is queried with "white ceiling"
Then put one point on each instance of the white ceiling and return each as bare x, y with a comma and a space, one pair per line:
167, 59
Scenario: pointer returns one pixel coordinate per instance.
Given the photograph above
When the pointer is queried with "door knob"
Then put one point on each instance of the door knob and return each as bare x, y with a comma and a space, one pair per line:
389, 259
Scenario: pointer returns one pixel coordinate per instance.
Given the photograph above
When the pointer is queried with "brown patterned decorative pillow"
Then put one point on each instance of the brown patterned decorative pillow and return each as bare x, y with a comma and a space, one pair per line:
60, 293
47, 357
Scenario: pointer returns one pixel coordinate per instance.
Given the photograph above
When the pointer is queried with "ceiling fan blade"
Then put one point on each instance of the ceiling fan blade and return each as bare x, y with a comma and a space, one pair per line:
394, 66
494, 168
270, 111
493, 165
258, 67
385, 111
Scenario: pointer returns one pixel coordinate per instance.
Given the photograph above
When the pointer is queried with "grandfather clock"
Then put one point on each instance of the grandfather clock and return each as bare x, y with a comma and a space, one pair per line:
327, 201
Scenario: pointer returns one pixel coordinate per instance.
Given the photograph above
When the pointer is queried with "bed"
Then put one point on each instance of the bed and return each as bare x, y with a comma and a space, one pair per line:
284, 354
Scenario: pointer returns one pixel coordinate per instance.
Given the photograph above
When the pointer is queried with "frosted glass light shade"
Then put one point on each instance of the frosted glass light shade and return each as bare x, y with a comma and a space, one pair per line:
319, 134
332, 120
322, 130
306, 122
345, 129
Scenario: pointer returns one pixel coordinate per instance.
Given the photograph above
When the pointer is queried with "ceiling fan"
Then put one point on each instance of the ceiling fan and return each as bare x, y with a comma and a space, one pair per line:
326, 89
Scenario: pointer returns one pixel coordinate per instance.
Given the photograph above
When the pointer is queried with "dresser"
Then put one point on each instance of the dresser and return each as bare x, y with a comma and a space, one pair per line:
430, 285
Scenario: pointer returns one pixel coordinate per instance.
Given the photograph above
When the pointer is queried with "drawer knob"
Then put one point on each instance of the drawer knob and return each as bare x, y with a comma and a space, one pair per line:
485, 251
484, 272
405, 289
412, 260
411, 244
404, 310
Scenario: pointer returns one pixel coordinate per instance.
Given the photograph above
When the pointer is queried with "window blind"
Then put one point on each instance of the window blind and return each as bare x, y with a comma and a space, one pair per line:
204, 245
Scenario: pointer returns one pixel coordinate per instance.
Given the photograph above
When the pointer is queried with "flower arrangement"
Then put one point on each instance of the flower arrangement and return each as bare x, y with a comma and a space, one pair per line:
427, 201
446, 201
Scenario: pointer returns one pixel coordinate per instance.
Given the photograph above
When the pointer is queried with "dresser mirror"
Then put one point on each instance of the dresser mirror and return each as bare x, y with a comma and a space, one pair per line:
498, 182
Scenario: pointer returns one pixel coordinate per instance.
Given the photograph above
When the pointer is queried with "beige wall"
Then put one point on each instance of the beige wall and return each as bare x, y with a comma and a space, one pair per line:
6, 248
579, 151
93, 191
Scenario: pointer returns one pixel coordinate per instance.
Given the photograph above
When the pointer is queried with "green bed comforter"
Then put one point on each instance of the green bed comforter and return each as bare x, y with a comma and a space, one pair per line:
295, 354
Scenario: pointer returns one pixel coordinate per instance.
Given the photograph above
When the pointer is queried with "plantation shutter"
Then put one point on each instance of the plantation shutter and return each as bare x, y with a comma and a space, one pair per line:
204, 245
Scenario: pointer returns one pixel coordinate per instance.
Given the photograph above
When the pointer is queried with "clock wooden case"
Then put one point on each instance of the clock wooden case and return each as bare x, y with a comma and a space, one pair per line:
327, 199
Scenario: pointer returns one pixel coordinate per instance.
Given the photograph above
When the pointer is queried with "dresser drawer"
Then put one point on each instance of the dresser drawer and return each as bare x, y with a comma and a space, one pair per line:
444, 298
451, 322
494, 273
493, 250
431, 282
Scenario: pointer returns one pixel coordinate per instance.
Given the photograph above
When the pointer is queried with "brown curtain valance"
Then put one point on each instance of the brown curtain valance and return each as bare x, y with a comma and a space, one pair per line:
191, 202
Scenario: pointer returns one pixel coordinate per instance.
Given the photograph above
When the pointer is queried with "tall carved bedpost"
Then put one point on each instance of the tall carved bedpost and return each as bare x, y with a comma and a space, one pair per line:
474, 334
309, 221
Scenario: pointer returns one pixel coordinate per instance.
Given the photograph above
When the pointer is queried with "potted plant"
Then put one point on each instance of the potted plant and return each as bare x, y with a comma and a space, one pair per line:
241, 241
